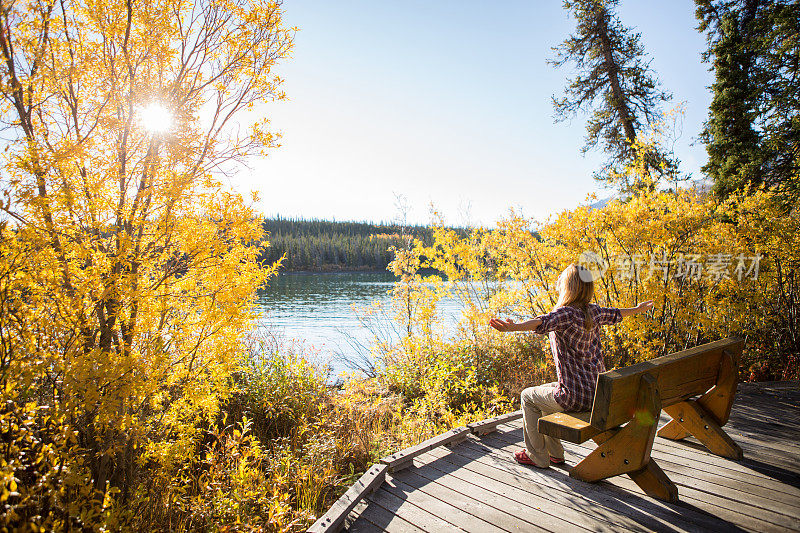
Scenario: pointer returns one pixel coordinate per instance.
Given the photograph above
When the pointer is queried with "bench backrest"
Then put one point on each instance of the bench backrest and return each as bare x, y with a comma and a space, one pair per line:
679, 376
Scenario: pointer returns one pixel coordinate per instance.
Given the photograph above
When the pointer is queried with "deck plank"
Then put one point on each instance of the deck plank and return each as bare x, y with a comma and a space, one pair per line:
470, 499
370, 516
404, 488
758, 492
699, 458
734, 505
737, 511
563, 509
408, 511
597, 493
619, 501
506, 493
477, 486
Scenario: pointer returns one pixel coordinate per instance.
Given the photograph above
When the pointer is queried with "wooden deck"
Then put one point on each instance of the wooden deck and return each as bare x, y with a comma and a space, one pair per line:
475, 485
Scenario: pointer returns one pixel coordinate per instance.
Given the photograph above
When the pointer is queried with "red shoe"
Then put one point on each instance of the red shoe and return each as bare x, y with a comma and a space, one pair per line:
522, 458
556, 461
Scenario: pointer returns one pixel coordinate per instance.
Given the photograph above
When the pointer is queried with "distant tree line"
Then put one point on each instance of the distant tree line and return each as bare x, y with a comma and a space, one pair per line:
326, 245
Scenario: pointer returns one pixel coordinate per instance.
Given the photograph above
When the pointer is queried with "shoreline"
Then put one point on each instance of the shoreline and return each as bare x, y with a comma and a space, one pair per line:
424, 272
336, 271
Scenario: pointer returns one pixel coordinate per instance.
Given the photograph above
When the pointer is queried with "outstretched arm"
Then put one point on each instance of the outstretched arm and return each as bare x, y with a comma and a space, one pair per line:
641, 308
557, 319
509, 325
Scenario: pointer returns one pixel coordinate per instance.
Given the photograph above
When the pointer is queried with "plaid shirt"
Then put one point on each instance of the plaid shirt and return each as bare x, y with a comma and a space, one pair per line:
576, 352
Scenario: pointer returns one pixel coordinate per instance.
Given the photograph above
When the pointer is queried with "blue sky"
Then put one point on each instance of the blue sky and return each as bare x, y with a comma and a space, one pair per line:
448, 102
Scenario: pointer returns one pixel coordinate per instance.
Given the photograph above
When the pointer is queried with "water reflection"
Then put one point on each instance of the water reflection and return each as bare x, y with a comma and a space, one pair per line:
318, 308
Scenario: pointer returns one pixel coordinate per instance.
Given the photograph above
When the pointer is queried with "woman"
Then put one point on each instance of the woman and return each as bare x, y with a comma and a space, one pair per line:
574, 328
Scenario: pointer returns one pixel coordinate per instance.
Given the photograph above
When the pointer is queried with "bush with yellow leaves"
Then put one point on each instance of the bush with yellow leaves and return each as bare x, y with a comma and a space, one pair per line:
713, 270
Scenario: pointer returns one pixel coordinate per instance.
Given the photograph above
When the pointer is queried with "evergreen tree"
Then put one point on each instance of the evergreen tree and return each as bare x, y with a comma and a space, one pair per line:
611, 65
320, 245
753, 130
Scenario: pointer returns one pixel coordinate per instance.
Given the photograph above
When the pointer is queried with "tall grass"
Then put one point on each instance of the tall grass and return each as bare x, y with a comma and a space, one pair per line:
287, 443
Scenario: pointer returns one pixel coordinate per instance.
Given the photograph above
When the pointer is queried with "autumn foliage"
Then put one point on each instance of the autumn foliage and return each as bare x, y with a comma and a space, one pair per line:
127, 269
714, 270
136, 394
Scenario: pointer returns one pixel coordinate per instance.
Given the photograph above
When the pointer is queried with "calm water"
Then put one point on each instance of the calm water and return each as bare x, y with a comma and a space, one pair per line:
318, 308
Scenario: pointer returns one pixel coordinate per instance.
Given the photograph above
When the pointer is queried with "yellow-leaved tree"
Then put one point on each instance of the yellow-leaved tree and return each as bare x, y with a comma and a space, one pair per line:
713, 270
127, 268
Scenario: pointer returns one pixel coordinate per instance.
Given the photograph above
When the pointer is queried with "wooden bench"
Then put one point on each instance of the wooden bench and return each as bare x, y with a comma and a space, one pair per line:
627, 405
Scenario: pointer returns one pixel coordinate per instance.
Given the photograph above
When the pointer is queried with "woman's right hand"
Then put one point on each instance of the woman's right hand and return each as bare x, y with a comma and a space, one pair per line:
502, 325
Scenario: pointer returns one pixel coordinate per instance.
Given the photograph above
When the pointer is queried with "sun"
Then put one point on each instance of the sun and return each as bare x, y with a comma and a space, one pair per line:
155, 118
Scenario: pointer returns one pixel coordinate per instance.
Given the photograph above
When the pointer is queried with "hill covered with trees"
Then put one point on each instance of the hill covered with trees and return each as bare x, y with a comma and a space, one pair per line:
325, 245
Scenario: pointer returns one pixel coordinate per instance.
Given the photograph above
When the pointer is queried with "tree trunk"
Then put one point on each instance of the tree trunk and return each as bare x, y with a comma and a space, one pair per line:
612, 70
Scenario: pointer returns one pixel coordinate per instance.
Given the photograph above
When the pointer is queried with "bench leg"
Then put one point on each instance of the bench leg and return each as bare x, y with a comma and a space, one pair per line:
719, 400
705, 417
627, 449
623, 450
651, 479
703, 425
673, 430
655, 483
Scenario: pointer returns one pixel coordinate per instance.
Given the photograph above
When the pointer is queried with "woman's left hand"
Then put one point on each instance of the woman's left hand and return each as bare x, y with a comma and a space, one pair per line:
502, 325
644, 306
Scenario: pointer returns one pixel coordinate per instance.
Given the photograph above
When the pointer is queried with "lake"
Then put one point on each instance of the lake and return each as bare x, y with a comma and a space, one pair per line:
317, 309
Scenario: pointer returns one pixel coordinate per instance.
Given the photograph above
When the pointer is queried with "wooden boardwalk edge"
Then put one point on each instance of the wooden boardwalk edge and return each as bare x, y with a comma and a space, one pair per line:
333, 520
490, 424
403, 458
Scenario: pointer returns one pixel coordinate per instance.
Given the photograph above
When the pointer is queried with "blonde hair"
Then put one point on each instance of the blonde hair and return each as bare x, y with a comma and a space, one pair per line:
574, 290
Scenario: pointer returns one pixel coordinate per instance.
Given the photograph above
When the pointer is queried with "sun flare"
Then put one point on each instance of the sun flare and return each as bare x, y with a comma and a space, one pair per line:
155, 118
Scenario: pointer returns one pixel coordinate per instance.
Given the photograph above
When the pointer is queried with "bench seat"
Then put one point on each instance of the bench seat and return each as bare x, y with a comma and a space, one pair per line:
571, 427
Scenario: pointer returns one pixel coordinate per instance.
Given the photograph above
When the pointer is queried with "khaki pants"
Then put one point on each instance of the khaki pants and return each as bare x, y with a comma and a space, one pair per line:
538, 402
